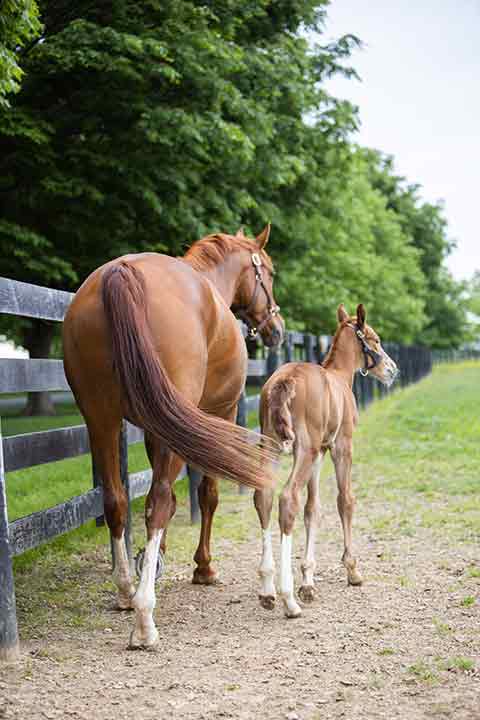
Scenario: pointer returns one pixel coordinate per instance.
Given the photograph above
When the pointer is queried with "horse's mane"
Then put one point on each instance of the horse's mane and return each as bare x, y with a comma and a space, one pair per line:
213, 249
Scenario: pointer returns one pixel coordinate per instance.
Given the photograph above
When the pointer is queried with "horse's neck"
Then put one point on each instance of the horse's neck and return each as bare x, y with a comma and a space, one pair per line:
225, 277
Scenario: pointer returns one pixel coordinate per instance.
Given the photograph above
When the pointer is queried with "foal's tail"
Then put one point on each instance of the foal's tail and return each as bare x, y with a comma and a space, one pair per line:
153, 402
279, 397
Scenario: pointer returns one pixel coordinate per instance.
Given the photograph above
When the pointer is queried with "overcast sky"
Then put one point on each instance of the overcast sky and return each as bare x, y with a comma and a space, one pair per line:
419, 100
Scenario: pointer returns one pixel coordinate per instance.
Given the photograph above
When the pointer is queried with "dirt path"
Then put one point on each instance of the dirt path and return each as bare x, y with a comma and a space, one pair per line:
405, 645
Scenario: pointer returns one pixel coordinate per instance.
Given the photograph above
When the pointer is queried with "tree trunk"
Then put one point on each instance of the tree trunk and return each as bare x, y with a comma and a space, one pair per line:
37, 339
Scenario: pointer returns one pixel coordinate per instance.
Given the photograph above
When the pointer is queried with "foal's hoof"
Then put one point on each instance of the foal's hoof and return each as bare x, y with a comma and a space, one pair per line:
306, 593
143, 641
267, 601
355, 579
291, 608
204, 577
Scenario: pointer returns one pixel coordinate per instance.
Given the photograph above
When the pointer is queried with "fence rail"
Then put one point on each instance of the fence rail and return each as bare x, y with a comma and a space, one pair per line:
23, 451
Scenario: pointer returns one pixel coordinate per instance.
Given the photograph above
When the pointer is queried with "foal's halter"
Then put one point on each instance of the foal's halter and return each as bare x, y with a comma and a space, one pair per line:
272, 308
368, 353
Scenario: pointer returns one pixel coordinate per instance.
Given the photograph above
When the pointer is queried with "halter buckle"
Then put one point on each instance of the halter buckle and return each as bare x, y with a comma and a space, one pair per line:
256, 260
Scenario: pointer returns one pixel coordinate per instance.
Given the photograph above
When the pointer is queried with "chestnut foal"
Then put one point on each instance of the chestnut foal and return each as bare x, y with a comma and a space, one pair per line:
312, 409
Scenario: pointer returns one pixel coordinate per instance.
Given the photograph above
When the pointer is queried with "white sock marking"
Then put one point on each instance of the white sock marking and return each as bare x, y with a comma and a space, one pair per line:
267, 567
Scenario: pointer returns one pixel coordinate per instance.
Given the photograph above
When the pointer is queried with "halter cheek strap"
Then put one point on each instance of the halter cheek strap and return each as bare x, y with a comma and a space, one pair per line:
368, 353
272, 308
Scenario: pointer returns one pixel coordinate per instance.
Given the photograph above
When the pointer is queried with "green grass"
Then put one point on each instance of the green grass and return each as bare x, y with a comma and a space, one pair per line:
417, 453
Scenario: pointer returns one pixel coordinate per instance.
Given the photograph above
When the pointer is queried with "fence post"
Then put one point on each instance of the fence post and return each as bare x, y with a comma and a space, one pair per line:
97, 482
309, 351
9, 646
126, 484
194, 480
273, 361
288, 345
242, 421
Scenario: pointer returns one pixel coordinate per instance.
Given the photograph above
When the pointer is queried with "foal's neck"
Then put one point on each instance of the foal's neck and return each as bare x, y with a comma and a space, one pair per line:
342, 358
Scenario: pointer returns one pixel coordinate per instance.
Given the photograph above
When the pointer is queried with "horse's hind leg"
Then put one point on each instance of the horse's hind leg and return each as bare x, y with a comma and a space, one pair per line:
159, 508
289, 506
312, 520
342, 459
104, 443
263, 500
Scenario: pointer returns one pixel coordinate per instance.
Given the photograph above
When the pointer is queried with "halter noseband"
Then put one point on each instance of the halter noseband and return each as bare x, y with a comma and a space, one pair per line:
272, 308
368, 353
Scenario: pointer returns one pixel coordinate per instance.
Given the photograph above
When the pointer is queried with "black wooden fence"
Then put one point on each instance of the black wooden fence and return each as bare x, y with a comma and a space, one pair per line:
22, 451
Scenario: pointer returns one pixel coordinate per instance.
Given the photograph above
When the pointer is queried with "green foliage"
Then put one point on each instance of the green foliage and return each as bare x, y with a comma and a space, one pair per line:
19, 25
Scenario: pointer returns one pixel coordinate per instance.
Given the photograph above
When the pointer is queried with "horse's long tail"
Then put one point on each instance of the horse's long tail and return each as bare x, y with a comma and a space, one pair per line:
153, 402
279, 397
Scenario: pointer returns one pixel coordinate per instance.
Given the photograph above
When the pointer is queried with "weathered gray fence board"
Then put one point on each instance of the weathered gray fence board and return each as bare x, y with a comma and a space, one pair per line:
140, 483
9, 648
32, 375
18, 298
23, 451
257, 368
33, 530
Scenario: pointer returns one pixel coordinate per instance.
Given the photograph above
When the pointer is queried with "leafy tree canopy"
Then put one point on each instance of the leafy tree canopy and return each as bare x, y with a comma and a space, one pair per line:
19, 25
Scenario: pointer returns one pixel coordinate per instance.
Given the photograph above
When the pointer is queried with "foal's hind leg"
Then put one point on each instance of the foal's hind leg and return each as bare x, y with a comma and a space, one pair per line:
263, 500
104, 443
289, 507
342, 459
159, 508
311, 519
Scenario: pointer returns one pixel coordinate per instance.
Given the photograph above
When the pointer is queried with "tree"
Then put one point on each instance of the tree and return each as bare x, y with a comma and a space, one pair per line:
19, 26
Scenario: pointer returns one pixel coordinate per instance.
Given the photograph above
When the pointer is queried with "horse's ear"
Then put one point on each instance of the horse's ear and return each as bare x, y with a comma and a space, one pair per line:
240, 233
262, 239
361, 315
342, 314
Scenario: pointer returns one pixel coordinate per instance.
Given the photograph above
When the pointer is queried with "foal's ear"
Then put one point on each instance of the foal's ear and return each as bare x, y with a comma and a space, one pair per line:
262, 239
361, 315
240, 233
342, 314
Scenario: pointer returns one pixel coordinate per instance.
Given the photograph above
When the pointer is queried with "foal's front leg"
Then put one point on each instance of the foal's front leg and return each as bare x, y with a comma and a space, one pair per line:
312, 520
342, 459
289, 505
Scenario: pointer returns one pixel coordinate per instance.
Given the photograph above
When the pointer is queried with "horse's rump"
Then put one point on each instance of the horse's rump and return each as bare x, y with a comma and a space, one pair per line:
153, 402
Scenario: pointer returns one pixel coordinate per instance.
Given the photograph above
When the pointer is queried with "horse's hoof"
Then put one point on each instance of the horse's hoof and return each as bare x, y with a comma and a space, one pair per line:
267, 601
204, 577
355, 579
143, 641
306, 593
124, 602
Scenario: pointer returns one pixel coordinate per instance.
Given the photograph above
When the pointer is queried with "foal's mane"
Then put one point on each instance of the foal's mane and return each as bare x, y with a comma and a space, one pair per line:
213, 249
334, 346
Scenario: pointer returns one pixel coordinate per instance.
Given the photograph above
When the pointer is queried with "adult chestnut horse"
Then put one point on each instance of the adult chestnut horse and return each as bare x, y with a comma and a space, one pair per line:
151, 338
313, 409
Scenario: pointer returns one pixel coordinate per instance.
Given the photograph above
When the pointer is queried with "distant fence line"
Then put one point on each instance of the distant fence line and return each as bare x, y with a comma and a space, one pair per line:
23, 451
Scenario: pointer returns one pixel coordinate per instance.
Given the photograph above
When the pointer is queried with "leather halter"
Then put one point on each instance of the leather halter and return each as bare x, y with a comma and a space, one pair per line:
368, 353
272, 308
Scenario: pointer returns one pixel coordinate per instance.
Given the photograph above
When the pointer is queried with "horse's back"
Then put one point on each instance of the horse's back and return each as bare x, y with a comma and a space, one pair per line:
185, 315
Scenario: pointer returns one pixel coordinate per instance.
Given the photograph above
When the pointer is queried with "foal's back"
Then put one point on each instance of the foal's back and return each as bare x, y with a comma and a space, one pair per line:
307, 403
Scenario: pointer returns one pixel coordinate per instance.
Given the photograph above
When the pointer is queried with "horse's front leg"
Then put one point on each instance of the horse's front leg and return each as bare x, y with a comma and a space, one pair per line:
342, 459
289, 506
204, 573
159, 508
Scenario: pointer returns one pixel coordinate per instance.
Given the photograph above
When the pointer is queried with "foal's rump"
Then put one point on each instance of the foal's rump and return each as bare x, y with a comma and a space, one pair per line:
142, 360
